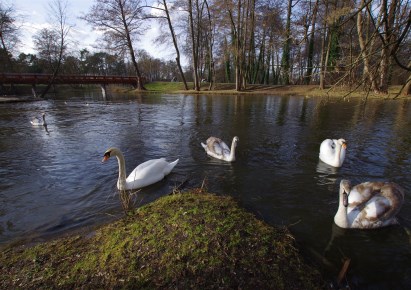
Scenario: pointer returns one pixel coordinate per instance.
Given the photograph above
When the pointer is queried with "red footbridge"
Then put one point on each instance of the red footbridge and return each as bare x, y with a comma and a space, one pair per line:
34, 79
37, 79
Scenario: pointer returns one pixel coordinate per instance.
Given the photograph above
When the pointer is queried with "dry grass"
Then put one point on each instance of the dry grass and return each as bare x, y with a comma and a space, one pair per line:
279, 90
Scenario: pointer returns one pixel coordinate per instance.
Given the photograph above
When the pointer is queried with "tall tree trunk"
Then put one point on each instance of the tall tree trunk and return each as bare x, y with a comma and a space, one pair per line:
238, 49
388, 18
310, 54
365, 57
59, 9
210, 38
55, 70
140, 84
323, 62
285, 60
236, 35
227, 61
193, 46
173, 35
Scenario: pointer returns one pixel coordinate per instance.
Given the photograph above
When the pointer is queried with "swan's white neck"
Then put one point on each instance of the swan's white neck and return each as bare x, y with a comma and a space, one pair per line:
341, 218
232, 152
121, 183
339, 156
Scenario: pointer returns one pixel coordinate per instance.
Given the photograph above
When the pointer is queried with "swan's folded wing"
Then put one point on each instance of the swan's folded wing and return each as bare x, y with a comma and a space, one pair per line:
224, 146
377, 208
213, 145
217, 149
147, 168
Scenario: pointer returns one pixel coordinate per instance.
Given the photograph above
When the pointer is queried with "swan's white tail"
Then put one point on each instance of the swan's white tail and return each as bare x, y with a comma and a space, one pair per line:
170, 166
204, 145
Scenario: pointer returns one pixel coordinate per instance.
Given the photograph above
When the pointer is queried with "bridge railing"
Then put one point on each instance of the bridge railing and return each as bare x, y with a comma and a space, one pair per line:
27, 78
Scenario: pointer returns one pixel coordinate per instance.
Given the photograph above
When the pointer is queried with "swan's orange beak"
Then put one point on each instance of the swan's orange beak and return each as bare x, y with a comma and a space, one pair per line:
105, 158
344, 145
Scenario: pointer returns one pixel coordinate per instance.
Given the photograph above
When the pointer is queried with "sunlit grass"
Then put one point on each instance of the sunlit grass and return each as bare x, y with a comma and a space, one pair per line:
164, 87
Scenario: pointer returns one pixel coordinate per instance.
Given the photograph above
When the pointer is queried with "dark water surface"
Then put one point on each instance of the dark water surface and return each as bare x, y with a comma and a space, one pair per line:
53, 181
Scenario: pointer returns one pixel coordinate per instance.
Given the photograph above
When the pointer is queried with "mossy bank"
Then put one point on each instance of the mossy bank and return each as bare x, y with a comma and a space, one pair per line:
181, 241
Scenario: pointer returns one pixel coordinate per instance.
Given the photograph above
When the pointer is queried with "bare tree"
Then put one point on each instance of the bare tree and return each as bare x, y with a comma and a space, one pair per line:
167, 17
46, 42
209, 32
285, 59
380, 37
193, 11
310, 49
238, 16
52, 43
121, 23
9, 35
392, 29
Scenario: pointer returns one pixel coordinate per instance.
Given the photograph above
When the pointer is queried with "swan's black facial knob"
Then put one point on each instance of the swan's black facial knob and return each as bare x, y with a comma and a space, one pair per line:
345, 199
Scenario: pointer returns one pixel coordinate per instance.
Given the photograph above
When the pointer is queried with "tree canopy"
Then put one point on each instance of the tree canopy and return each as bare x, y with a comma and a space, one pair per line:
329, 43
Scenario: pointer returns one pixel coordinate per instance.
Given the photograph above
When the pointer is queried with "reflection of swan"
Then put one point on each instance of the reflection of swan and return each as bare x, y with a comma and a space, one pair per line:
326, 169
332, 152
327, 175
38, 122
143, 175
368, 205
372, 252
45, 128
216, 148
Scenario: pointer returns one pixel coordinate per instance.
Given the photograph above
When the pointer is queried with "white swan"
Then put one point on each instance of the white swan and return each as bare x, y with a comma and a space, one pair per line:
143, 175
368, 205
39, 122
216, 148
332, 152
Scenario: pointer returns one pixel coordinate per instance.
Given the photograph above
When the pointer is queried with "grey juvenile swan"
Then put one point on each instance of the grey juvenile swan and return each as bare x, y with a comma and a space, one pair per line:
368, 205
216, 148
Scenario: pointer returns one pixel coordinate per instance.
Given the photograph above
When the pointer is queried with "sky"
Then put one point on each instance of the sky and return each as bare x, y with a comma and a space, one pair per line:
35, 16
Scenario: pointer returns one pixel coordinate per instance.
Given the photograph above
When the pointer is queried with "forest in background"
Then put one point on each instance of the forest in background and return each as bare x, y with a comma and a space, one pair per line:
355, 44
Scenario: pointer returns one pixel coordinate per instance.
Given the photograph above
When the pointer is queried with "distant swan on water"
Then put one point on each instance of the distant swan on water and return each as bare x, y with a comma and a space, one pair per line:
36, 121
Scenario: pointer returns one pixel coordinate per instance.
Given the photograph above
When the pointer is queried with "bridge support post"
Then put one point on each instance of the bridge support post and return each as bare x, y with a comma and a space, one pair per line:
33, 90
104, 91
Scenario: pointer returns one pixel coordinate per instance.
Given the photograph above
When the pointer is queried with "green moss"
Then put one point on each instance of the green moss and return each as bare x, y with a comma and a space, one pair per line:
185, 240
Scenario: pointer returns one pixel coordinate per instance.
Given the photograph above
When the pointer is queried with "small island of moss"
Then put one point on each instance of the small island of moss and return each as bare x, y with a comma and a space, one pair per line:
182, 241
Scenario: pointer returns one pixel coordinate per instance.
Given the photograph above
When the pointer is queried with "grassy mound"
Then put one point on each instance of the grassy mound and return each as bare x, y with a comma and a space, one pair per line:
185, 240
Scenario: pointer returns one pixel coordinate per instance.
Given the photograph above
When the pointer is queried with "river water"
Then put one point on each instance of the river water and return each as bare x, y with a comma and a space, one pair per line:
52, 181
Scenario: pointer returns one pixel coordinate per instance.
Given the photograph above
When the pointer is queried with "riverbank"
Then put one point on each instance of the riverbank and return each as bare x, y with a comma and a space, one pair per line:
275, 90
192, 240
225, 89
